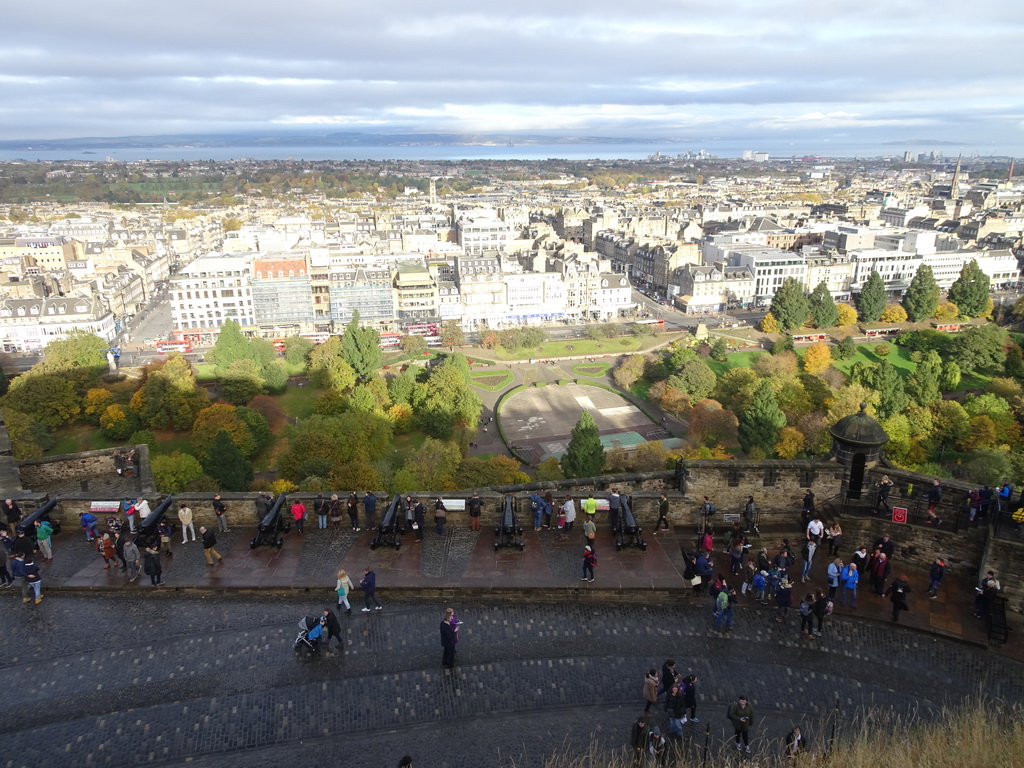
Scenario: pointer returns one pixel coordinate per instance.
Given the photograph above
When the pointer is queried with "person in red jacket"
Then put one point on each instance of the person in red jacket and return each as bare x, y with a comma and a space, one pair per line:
299, 515
589, 561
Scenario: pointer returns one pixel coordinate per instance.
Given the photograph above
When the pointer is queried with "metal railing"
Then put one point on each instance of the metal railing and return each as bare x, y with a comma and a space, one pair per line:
953, 516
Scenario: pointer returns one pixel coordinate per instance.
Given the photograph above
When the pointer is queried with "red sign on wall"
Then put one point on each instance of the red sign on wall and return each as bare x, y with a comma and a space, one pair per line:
899, 515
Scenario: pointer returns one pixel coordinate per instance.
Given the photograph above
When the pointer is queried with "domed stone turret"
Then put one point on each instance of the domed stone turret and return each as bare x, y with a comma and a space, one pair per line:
857, 442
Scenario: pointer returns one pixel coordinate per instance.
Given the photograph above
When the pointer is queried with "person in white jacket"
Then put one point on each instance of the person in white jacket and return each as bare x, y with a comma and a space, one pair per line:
185, 516
343, 588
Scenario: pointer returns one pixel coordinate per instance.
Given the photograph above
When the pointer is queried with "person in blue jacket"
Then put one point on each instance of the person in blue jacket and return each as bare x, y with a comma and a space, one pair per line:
89, 523
369, 586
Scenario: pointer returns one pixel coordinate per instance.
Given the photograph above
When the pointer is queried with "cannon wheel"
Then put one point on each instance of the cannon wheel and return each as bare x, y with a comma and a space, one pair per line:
398, 545
373, 545
643, 546
618, 547
279, 543
521, 546
252, 544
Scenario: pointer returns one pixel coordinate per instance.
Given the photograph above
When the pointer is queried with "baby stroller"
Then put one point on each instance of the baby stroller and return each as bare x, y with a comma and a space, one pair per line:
308, 641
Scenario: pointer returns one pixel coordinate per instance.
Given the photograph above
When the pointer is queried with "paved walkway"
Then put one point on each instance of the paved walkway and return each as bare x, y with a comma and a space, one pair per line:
465, 563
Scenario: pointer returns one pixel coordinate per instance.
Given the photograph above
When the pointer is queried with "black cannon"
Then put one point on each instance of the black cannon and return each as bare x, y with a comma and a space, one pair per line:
271, 525
28, 525
389, 529
628, 533
508, 533
146, 534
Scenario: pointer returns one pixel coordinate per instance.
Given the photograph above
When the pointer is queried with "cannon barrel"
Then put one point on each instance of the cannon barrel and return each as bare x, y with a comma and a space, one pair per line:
28, 525
147, 528
629, 533
508, 533
389, 529
272, 520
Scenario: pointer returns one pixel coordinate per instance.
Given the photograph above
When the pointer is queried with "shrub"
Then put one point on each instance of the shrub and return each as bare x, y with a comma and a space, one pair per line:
882, 350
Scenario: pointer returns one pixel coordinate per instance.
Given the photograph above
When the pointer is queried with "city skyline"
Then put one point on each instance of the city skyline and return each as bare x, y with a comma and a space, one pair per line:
863, 72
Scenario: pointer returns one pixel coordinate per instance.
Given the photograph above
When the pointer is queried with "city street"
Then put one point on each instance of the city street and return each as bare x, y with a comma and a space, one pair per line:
166, 678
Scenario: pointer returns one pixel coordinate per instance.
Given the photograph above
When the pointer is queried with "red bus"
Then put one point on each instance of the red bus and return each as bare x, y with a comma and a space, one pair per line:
163, 347
389, 340
657, 321
949, 327
874, 333
800, 338
421, 330
316, 338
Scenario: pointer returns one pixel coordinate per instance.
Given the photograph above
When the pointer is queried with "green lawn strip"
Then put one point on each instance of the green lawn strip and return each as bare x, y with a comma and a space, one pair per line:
79, 437
573, 347
168, 442
591, 370
733, 360
641, 389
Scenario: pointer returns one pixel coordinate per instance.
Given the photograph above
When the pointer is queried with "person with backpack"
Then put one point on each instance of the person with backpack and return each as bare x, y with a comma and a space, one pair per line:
320, 510
589, 561
343, 587
822, 608
299, 515
724, 607
897, 592
440, 515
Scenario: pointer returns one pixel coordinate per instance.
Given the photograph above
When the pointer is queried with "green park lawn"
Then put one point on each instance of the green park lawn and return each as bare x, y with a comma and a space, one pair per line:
298, 402
574, 347
591, 370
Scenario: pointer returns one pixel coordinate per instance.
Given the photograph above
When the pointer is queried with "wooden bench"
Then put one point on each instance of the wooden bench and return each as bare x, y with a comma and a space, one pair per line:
995, 618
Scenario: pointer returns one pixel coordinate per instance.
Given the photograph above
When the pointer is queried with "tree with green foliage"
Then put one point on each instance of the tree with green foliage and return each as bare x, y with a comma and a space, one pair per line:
695, 379
719, 350
413, 345
886, 380
96, 401
360, 348
452, 335
297, 349
446, 399
735, 389
400, 387
227, 466
169, 397
678, 356
29, 438
241, 382
970, 291
327, 367
233, 345
949, 377
49, 398
871, 299
549, 470
321, 443
980, 348
823, 307
922, 296
782, 345
77, 350
176, 472
630, 370
845, 349
923, 383
760, 424
584, 456
789, 305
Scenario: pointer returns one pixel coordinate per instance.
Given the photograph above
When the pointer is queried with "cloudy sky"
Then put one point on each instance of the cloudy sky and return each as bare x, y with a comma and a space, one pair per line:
893, 70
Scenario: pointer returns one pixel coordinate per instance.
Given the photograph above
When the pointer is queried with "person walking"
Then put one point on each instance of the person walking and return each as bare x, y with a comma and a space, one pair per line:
749, 515
299, 515
44, 540
935, 577
884, 486
810, 547
34, 580
449, 638
475, 507
638, 736
164, 531
650, 689
897, 592
320, 510
676, 707
589, 561
668, 679
934, 499
369, 586
12, 512
343, 588
795, 743
689, 689
662, 523
821, 609
185, 517
120, 539
329, 621
724, 607
209, 546
153, 567
440, 515
807, 616
220, 510
741, 715
131, 557
105, 546
783, 599
569, 509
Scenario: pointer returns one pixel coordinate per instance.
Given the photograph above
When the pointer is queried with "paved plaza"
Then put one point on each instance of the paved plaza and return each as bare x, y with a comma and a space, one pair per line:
109, 673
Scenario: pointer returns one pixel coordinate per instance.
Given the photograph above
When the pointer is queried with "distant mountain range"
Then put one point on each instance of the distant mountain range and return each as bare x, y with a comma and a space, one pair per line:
315, 140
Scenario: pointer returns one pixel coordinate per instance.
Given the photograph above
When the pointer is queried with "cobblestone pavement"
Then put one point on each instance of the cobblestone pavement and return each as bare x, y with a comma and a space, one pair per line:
158, 679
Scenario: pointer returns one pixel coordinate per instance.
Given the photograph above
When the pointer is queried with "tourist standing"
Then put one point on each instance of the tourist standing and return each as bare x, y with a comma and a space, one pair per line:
934, 499
164, 531
449, 638
749, 515
440, 515
153, 567
935, 577
884, 486
741, 715
13, 514
662, 514
105, 546
475, 507
44, 533
369, 508
590, 533
850, 578
835, 570
185, 516
590, 506
220, 510
569, 509
650, 689
320, 510
299, 515
352, 507
131, 558
334, 511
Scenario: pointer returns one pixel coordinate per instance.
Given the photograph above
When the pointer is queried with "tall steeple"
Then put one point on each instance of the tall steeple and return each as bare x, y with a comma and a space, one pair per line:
954, 185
